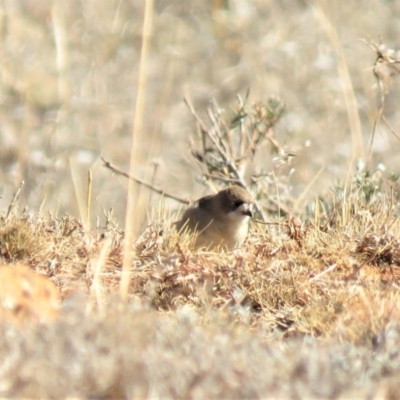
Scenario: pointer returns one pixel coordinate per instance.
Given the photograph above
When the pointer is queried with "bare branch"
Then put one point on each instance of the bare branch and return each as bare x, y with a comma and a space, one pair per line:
224, 156
15, 200
161, 192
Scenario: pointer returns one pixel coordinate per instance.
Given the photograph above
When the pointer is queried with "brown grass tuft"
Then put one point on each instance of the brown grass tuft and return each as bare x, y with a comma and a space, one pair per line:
313, 297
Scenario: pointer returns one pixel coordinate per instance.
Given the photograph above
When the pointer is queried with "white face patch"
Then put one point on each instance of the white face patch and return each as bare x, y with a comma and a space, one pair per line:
241, 213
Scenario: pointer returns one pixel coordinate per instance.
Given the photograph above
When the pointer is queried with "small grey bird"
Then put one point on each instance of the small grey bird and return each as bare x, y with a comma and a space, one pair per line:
219, 220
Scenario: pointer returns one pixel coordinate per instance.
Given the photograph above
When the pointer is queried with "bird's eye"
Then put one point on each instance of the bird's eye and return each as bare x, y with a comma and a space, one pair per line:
238, 203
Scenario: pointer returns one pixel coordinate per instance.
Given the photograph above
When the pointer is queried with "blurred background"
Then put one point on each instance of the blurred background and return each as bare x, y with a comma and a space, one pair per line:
69, 73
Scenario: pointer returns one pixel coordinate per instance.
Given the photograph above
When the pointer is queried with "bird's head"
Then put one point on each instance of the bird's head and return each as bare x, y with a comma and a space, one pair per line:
235, 203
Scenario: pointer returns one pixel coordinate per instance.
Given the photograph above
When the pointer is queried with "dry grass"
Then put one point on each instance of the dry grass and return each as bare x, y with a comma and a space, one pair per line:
308, 307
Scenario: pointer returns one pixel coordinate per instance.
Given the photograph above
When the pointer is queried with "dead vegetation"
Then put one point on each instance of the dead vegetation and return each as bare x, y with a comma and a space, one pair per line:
307, 306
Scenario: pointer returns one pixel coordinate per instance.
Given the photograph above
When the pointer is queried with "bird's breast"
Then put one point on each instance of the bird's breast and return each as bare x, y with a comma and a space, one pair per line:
223, 233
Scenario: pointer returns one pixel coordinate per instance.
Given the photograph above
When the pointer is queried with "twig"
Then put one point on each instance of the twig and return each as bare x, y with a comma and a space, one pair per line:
242, 145
221, 178
329, 269
257, 221
161, 192
14, 200
387, 61
89, 198
388, 126
228, 162
217, 129
378, 117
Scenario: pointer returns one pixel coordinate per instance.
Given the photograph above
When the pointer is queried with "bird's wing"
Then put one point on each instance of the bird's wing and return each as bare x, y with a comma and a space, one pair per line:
195, 219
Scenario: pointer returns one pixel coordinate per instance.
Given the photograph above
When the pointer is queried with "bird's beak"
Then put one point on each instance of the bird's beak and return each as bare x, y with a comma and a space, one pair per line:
248, 210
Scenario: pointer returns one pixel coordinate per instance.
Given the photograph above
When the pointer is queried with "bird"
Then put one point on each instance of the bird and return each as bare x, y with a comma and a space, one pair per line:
220, 220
